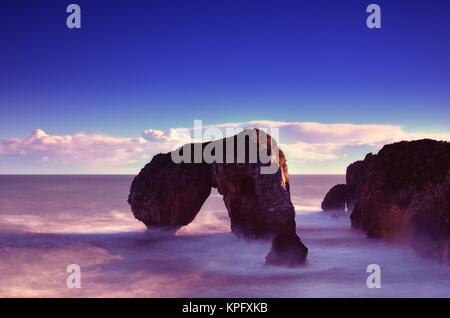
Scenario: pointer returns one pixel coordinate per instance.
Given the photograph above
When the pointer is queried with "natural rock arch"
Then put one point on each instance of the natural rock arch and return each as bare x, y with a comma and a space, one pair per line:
169, 195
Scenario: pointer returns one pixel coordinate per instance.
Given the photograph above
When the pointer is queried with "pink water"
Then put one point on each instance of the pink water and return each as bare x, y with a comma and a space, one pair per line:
49, 222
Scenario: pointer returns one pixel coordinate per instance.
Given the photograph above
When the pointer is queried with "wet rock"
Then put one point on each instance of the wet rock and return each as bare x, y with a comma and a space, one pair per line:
335, 199
287, 250
403, 194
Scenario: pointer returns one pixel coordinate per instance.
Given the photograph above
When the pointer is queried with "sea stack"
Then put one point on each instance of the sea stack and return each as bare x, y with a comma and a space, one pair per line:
403, 194
169, 195
336, 199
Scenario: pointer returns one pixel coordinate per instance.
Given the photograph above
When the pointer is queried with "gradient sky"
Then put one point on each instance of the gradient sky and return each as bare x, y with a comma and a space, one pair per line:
136, 65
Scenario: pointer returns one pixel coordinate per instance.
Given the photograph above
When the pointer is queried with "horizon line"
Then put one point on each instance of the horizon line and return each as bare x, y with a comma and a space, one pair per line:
129, 174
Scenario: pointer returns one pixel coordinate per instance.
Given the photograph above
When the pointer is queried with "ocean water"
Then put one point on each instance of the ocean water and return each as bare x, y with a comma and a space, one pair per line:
49, 222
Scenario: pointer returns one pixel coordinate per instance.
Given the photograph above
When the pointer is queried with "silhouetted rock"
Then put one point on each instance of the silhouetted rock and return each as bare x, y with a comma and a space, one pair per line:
169, 195
287, 250
355, 178
335, 199
259, 205
403, 193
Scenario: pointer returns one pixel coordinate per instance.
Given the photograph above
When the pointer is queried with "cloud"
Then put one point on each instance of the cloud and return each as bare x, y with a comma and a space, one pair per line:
319, 133
312, 141
303, 152
309, 146
79, 150
173, 135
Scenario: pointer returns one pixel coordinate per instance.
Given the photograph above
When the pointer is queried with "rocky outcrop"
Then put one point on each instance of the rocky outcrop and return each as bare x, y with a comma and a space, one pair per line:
356, 176
336, 199
403, 194
287, 250
169, 194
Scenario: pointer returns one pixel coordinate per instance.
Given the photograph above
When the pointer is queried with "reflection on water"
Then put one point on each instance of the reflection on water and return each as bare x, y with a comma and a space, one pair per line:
48, 222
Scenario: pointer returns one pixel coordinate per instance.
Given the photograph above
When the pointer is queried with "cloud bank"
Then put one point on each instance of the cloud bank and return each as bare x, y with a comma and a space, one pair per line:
310, 147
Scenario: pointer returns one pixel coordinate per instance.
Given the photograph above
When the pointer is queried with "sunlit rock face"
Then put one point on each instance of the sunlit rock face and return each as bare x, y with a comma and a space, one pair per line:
403, 193
169, 195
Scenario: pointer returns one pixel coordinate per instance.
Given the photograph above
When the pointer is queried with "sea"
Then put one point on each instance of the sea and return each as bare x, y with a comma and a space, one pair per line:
48, 223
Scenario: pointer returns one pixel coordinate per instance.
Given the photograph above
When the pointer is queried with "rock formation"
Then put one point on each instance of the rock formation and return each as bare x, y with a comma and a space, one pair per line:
335, 199
403, 193
168, 194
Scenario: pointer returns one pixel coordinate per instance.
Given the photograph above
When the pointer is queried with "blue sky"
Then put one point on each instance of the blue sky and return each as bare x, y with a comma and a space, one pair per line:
136, 65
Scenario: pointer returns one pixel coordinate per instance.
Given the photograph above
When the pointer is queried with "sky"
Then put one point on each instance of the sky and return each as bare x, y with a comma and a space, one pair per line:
95, 99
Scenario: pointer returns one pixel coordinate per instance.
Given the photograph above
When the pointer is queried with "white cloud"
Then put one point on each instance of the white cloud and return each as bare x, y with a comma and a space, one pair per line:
302, 151
310, 147
171, 136
312, 141
319, 133
80, 150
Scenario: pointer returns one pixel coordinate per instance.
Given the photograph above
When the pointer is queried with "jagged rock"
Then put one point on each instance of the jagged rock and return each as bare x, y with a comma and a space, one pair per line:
355, 177
335, 199
403, 193
169, 194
